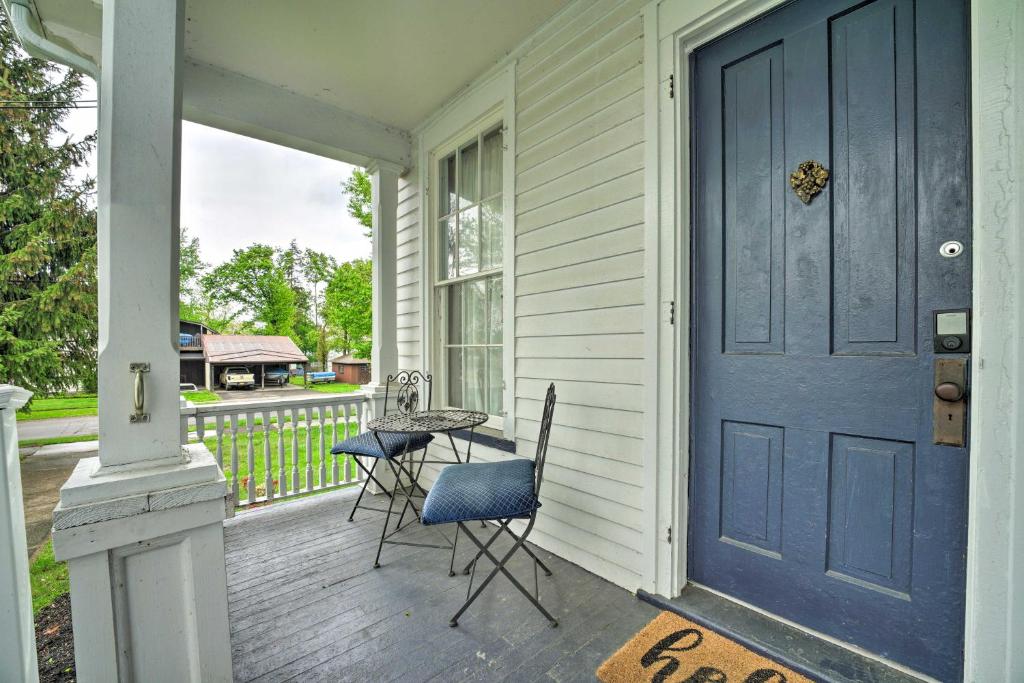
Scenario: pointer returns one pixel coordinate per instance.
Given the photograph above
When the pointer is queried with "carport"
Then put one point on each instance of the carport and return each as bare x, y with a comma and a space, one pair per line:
252, 351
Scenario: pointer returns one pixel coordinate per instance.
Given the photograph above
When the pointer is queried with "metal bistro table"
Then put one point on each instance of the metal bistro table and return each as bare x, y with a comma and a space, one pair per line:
446, 421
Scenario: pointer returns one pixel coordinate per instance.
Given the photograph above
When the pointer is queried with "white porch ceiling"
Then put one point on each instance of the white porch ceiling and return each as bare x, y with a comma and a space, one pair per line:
391, 61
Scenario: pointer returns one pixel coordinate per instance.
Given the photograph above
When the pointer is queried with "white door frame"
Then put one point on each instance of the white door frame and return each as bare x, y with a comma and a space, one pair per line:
995, 550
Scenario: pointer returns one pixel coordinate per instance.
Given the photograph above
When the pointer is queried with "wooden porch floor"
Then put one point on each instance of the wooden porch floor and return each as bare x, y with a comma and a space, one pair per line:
306, 604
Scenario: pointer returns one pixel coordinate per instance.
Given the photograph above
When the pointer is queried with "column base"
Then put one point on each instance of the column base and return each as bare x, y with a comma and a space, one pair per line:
145, 552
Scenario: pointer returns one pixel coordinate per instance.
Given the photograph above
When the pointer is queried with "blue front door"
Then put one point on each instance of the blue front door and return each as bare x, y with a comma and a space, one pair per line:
817, 492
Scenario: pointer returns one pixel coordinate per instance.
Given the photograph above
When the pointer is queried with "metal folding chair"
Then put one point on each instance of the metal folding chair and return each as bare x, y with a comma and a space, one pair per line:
494, 492
388, 447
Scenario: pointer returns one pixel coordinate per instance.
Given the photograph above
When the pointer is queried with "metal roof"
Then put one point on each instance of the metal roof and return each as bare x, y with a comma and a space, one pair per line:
244, 348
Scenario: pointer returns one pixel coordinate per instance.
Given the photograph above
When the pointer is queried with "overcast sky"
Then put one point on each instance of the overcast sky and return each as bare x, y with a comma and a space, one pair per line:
236, 191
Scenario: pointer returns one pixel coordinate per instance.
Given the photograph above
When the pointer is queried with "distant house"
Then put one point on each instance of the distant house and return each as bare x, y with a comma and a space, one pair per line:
190, 345
351, 370
204, 354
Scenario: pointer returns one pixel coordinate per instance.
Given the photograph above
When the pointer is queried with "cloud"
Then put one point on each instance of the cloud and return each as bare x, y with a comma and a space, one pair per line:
236, 191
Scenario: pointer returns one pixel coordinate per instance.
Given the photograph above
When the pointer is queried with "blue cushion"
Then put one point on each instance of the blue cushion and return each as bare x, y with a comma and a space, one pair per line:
394, 444
481, 490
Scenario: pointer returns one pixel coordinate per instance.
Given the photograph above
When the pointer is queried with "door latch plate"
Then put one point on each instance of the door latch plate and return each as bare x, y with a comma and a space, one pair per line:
949, 418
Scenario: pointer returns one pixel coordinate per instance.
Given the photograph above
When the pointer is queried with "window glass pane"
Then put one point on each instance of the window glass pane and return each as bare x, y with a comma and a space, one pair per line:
469, 241
468, 170
454, 314
446, 186
474, 312
490, 162
494, 381
446, 252
455, 378
474, 378
491, 221
494, 299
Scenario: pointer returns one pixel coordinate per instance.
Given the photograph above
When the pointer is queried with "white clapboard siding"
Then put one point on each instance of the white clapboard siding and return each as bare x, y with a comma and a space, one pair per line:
408, 290
623, 319
578, 269
579, 287
590, 224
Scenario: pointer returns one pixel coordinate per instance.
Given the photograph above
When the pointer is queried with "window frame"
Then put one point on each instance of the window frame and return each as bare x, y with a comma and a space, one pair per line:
490, 98
437, 296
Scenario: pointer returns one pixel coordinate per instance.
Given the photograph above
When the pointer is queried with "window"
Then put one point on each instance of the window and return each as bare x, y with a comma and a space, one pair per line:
469, 285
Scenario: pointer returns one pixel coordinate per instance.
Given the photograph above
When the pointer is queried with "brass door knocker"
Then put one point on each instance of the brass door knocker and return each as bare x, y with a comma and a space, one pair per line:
808, 179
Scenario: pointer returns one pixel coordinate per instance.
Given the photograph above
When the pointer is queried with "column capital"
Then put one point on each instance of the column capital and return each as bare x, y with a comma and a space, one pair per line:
377, 165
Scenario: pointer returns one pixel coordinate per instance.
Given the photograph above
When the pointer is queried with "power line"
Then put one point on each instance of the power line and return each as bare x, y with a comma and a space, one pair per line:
48, 104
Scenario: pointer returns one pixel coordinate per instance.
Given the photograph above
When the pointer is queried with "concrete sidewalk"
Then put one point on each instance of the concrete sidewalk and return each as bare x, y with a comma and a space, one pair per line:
43, 472
58, 426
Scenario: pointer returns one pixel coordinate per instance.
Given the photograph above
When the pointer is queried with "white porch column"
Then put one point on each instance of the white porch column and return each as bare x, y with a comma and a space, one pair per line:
137, 231
141, 526
384, 359
384, 354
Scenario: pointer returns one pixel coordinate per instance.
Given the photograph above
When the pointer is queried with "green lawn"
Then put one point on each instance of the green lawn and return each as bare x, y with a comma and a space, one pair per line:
49, 578
259, 469
200, 396
59, 406
332, 388
49, 441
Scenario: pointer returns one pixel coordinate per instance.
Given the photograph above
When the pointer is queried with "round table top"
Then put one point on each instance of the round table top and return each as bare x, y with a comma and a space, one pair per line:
427, 421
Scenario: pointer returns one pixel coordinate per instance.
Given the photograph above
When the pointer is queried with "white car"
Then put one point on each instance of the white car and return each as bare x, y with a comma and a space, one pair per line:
237, 377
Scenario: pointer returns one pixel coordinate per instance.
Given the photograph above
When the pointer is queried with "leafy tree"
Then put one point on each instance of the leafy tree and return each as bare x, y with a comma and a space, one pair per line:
359, 192
253, 283
317, 268
348, 307
48, 314
291, 261
193, 305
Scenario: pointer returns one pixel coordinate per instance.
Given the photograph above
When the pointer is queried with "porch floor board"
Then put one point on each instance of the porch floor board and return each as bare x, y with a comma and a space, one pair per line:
306, 604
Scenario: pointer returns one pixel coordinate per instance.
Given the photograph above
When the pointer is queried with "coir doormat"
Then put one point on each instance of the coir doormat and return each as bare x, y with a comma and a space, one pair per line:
672, 649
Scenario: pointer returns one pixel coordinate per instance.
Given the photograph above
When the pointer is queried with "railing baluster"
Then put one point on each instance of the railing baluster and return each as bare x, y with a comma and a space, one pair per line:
250, 456
200, 426
309, 448
234, 457
359, 430
346, 419
219, 428
323, 444
282, 481
295, 450
334, 440
268, 465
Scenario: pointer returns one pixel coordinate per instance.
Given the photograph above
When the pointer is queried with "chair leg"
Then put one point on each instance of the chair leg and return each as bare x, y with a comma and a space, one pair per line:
387, 518
366, 482
415, 479
472, 563
499, 566
526, 549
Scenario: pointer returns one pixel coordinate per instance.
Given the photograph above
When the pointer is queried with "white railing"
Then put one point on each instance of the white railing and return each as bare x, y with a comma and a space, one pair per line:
279, 448
17, 633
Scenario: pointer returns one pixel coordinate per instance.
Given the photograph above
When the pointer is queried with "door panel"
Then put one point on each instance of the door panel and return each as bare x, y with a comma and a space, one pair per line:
873, 184
816, 491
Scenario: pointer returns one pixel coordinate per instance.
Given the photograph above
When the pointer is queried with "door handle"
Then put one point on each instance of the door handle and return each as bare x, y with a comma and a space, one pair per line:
951, 392
949, 406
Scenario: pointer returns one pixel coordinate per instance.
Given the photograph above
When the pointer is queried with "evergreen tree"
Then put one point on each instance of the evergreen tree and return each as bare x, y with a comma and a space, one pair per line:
48, 315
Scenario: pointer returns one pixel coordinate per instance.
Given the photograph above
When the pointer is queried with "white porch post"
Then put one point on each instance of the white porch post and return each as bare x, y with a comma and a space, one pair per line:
384, 359
141, 525
384, 353
17, 629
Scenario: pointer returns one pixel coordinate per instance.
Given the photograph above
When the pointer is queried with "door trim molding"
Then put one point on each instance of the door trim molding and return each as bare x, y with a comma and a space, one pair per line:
995, 548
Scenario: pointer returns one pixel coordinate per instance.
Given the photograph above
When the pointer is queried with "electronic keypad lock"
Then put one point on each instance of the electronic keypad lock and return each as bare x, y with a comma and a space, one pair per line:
953, 331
